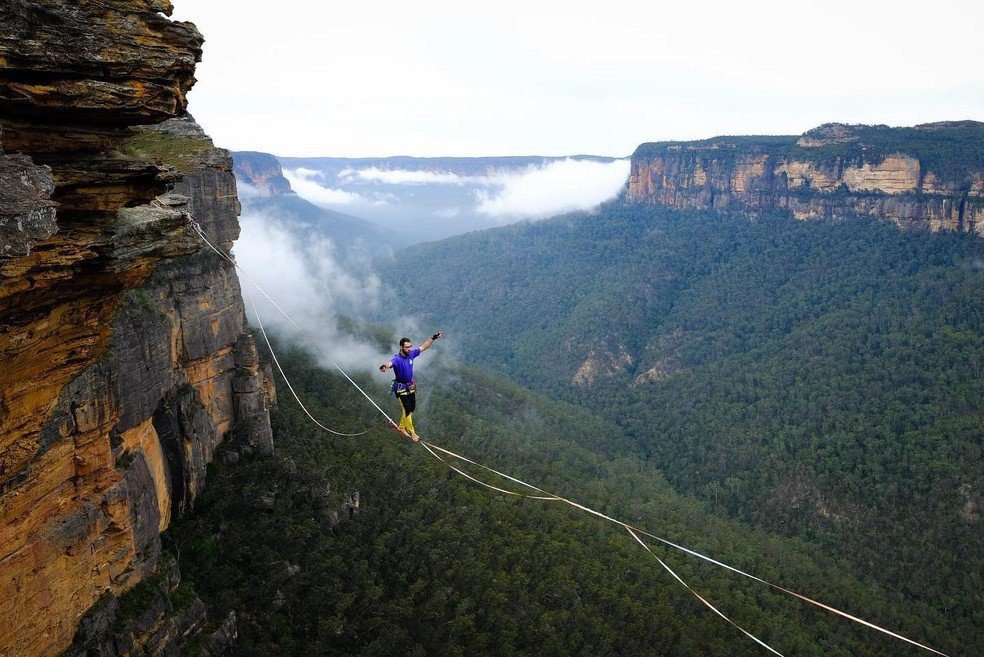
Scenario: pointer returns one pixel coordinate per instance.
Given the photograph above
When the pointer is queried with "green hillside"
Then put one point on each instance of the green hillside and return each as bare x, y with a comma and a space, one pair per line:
301, 216
819, 380
435, 565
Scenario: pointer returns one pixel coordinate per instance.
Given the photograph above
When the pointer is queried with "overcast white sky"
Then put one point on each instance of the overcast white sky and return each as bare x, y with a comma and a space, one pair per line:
316, 77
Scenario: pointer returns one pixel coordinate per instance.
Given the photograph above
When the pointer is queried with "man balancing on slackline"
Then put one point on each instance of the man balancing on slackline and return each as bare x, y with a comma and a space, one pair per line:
404, 387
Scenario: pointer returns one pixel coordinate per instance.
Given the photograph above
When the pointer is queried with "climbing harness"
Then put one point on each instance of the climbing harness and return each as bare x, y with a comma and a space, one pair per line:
544, 495
400, 388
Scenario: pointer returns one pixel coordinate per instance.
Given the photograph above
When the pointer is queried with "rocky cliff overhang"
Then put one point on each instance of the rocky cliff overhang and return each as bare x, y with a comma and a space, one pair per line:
929, 176
99, 62
73, 77
124, 360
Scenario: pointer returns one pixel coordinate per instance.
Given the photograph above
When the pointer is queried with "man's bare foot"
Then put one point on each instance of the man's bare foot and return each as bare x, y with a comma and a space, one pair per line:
400, 430
414, 437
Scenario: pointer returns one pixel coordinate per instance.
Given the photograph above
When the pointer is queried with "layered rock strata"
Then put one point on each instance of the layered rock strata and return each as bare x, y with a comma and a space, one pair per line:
27, 213
124, 359
930, 176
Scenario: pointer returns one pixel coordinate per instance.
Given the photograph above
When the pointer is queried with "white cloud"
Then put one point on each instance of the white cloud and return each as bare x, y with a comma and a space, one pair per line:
247, 191
304, 276
302, 181
402, 176
561, 186
308, 174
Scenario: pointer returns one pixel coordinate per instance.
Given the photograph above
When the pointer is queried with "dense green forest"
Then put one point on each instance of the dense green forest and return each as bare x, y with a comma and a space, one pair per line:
431, 564
819, 380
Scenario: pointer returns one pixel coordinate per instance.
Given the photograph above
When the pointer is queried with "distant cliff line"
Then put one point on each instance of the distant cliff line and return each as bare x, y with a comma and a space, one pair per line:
929, 176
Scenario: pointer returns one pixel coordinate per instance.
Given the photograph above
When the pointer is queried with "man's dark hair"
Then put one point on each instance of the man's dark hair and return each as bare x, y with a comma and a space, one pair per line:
403, 341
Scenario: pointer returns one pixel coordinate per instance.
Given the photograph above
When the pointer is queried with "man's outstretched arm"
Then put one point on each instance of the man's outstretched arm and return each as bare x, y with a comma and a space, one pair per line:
429, 341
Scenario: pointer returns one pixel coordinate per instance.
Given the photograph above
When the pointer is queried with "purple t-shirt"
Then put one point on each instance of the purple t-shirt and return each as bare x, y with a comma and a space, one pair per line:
403, 365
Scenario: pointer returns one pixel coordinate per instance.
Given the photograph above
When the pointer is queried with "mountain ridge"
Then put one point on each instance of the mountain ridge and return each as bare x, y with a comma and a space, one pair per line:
268, 195
929, 176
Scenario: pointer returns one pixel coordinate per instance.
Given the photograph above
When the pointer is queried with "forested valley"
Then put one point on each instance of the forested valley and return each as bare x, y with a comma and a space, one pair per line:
822, 380
434, 564
801, 401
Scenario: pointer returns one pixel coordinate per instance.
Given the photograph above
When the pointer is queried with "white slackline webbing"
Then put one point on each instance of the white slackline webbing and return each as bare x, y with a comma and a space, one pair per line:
636, 537
701, 598
259, 322
479, 481
283, 312
694, 553
634, 531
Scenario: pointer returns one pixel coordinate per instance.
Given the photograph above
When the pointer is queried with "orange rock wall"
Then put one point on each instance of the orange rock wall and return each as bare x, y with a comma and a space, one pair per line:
84, 494
717, 174
124, 360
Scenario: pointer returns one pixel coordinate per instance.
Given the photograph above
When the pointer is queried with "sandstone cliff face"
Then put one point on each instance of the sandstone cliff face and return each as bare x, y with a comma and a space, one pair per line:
261, 171
930, 176
123, 356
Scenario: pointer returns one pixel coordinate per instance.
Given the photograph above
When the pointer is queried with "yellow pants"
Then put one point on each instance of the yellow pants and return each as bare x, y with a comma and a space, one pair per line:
406, 422
408, 402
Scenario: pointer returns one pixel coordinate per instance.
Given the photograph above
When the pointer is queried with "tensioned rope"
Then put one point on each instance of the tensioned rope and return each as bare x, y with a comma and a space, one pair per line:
259, 322
479, 481
635, 532
226, 256
627, 528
